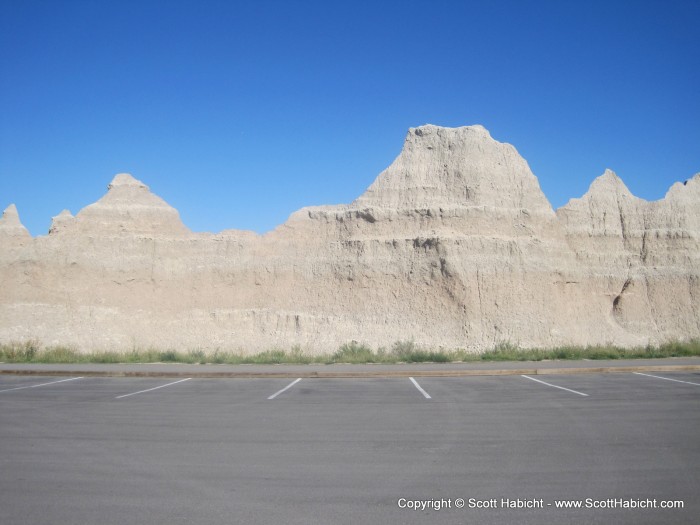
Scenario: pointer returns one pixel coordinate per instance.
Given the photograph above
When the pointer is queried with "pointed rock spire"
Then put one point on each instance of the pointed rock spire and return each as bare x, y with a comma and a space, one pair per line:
10, 215
10, 225
61, 221
608, 184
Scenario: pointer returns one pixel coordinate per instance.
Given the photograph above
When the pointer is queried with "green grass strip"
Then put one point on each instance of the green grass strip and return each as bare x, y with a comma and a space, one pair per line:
353, 352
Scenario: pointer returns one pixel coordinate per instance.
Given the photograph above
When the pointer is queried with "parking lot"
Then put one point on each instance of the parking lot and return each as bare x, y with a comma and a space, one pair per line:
157, 450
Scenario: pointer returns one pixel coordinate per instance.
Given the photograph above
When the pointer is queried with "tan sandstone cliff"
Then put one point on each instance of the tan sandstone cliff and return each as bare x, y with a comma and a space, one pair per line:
453, 245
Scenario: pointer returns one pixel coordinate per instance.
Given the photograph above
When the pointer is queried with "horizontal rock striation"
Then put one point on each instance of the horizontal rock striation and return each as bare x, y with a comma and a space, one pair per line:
453, 245
643, 255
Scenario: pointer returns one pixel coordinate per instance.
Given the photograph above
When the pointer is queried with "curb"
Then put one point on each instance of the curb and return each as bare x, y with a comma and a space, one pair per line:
349, 375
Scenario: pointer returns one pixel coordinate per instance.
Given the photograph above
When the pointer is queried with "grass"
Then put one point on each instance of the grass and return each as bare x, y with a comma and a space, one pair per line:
353, 352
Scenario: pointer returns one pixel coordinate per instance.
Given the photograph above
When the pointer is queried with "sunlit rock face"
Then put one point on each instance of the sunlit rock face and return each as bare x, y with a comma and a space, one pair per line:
11, 229
454, 245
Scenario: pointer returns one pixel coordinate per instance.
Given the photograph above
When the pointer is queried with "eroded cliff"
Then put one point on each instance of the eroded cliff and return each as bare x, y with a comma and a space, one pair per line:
453, 245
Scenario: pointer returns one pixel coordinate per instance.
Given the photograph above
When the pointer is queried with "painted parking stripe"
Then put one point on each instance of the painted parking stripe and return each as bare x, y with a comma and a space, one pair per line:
290, 385
420, 389
668, 379
42, 384
154, 388
556, 386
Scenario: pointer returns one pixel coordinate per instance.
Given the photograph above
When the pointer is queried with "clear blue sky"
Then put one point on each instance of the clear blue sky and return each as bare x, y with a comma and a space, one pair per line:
239, 113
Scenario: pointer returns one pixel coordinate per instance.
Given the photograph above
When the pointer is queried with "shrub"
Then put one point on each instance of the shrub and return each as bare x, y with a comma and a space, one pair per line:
354, 352
196, 356
18, 352
169, 356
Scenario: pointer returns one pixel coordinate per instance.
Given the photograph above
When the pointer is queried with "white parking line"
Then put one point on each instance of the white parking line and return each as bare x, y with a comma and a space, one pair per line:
42, 384
290, 385
667, 379
154, 388
420, 389
556, 386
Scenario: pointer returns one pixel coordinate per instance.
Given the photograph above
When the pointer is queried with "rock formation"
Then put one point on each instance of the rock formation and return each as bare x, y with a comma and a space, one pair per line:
454, 245
648, 253
11, 229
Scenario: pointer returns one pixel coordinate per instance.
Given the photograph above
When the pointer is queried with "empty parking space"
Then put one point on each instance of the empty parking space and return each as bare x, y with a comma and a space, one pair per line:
230, 392
399, 390
474, 390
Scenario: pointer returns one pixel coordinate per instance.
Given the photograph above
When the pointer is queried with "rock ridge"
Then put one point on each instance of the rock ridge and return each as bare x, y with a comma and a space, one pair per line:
453, 245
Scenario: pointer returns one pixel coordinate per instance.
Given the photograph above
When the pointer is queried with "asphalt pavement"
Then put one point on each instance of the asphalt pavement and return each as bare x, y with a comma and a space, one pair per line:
156, 450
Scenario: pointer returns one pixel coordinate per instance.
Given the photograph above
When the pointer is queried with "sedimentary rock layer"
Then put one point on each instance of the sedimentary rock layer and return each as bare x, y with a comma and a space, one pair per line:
453, 245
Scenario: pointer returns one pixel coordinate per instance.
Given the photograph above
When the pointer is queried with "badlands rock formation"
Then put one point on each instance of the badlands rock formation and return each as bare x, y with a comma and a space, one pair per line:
453, 245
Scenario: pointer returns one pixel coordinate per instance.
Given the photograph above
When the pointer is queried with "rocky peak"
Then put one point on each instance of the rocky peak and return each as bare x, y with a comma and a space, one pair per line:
61, 222
608, 184
129, 191
455, 167
10, 216
126, 179
606, 193
10, 225
130, 207
608, 208
688, 191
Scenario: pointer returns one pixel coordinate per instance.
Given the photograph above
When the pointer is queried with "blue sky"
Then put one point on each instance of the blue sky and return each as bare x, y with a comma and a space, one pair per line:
239, 113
